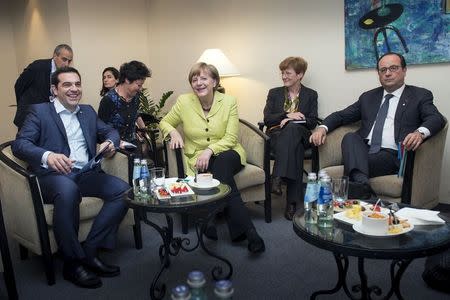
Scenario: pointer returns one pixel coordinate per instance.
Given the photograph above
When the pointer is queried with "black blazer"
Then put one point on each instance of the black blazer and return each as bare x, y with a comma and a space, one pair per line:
274, 110
32, 86
415, 108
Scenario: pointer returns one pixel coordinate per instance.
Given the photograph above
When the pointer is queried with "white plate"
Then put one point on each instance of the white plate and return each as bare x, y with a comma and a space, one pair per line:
358, 228
341, 216
189, 190
213, 184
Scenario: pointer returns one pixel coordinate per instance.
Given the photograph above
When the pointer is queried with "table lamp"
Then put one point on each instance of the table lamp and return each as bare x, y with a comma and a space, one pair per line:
218, 59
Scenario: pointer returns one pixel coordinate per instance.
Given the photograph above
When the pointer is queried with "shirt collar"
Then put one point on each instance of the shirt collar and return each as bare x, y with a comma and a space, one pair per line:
397, 93
53, 66
60, 108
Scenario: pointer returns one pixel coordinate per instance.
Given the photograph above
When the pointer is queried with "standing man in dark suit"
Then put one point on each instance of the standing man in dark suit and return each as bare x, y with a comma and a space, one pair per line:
33, 85
57, 140
390, 115
290, 113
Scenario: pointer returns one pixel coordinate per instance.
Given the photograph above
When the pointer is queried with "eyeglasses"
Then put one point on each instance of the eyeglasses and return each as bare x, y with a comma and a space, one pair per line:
393, 68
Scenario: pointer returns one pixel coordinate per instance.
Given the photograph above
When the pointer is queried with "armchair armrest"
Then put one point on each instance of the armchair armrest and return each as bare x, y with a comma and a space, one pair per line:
253, 140
426, 171
120, 165
330, 154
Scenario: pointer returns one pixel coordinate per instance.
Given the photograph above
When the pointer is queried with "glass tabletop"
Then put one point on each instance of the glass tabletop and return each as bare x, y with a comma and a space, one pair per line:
180, 203
421, 241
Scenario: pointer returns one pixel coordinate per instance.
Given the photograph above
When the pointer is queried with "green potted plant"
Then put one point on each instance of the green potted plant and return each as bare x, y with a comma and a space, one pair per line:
151, 111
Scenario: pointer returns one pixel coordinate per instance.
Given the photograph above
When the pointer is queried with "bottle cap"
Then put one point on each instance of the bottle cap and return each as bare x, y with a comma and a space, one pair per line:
196, 279
136, 160
312, 176
180, 292
224, 289
144, 161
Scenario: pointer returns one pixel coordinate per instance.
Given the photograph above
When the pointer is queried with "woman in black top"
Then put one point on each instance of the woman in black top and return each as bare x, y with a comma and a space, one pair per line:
290, 113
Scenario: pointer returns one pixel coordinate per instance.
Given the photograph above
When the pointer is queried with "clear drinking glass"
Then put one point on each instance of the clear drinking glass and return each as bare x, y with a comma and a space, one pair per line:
340, 188
157, 176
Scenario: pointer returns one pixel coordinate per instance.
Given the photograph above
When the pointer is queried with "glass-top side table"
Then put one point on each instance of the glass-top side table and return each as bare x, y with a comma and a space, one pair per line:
208, 202
343, 242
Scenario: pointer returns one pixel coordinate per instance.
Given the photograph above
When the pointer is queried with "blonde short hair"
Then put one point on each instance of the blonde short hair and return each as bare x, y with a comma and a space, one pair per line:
201, 66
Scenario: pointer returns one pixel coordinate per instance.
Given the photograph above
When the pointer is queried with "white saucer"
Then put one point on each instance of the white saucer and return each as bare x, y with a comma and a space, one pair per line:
358, 228
213, 184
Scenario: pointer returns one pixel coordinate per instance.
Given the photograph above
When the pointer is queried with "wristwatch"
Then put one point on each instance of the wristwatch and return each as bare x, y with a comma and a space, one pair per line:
421, 133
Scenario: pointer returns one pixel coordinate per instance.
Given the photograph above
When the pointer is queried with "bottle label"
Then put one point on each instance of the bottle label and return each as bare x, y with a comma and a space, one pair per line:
310, 195
325, 195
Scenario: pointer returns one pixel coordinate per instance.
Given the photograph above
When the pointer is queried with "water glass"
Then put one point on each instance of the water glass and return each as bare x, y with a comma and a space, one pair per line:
157, 176
340, 188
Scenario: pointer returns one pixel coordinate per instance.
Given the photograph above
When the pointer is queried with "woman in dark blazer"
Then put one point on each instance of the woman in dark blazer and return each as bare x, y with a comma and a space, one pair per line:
290, 113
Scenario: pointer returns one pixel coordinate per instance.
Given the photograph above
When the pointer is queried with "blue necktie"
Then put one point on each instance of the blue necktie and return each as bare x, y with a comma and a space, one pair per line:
377, 133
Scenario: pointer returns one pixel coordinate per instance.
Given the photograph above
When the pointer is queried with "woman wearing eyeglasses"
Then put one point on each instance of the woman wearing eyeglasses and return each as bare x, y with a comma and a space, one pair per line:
290, 113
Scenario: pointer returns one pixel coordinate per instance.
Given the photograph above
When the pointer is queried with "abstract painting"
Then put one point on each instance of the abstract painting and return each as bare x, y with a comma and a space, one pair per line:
417, 29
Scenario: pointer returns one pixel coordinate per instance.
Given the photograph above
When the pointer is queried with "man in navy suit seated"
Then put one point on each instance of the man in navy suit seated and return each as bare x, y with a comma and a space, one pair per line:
57, 140
392, 115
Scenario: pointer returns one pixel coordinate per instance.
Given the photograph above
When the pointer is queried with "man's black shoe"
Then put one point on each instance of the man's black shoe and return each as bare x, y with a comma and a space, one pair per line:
255, 242
100, 268
358, 190
78, 275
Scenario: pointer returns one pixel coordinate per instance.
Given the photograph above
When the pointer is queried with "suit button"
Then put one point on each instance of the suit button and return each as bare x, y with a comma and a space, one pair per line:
206, 129
207, 139
207, 120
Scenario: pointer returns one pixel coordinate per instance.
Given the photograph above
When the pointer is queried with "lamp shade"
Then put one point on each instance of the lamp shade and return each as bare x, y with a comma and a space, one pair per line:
216, 58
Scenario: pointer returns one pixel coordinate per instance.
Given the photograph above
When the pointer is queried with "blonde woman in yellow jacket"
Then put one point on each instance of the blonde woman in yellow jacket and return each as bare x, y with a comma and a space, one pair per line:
210, 124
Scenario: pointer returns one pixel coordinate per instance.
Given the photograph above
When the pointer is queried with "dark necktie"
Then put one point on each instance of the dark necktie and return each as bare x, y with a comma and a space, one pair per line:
377, 133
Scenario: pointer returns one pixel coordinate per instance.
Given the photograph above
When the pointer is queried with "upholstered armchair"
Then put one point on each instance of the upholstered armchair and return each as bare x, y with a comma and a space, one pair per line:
420, 184
252, 181
31, 220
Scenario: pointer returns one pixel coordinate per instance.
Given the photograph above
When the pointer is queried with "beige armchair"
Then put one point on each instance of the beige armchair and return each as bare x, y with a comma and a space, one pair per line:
31, 220
252, 181
420, 184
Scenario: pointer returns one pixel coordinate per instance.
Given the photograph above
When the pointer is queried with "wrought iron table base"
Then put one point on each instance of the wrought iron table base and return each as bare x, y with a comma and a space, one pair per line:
172, 245
397, 269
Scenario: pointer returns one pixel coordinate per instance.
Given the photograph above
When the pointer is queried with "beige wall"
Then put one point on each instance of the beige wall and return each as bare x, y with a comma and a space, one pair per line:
7, 75
169, 36
107, 33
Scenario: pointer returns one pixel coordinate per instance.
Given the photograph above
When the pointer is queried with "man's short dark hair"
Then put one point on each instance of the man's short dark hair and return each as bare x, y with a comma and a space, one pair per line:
55, 75
58, 49
133, 70
402, 59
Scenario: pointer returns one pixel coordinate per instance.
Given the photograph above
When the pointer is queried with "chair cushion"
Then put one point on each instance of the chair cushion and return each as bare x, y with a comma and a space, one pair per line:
89, 208
249, 176
388, 185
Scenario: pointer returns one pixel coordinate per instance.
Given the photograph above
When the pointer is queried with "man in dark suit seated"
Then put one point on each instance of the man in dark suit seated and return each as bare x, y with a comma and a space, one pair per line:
57, 140
33, 85
391, 115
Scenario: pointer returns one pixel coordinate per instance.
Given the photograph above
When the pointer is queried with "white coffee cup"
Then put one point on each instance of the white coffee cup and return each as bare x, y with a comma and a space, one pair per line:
374, 222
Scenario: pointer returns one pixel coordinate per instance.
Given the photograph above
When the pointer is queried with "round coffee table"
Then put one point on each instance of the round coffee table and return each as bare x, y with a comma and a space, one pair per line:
207, 202
343, 242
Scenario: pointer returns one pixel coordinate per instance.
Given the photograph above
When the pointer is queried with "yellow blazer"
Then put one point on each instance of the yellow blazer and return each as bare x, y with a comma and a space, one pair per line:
218, 130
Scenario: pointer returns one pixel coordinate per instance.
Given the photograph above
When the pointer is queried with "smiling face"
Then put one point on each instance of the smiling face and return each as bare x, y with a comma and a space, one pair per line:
109, 81
390, 72
63, 59
132, 88
68, 91
203, 84
290, 77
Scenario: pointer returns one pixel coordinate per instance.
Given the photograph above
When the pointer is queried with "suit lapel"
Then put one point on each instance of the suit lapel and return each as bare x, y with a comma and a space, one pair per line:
84, 125
401, 108
56, 118
217, 104
374, 107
